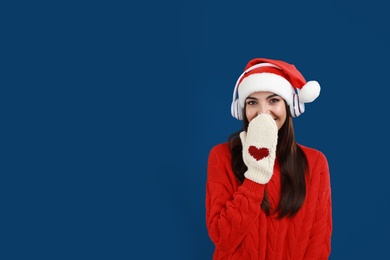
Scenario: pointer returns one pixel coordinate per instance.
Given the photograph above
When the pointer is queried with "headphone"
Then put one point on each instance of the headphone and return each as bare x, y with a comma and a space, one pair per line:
298, 107
237, 111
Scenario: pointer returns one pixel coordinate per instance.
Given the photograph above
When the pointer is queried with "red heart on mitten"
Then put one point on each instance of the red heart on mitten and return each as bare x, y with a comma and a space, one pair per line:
258, 153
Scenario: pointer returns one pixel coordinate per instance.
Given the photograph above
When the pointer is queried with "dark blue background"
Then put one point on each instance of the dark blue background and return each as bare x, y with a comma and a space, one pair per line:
109, 110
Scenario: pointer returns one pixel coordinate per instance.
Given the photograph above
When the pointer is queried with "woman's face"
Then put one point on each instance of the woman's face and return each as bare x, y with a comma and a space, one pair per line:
267, 103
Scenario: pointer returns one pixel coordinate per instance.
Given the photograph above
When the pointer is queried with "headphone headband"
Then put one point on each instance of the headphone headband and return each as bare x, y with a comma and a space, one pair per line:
265, 64
235, 108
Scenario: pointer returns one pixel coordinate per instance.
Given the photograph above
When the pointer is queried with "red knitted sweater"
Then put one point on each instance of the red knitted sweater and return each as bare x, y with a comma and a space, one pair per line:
241, 230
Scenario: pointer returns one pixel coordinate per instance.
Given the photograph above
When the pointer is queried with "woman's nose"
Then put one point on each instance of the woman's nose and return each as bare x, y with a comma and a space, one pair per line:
263, 109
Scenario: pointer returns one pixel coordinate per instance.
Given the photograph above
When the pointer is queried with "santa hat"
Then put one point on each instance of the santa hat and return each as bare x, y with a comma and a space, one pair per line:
278, 77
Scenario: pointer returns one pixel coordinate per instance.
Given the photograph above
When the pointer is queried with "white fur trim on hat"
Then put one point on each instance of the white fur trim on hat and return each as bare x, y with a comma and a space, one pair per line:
265, 82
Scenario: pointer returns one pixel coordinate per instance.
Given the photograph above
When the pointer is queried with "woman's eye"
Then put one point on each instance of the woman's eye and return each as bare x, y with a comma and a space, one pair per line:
274, 100
251, 102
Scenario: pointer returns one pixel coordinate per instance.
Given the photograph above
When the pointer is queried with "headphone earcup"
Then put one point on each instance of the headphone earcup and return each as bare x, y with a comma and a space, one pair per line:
239, 112
298, 107
236, 110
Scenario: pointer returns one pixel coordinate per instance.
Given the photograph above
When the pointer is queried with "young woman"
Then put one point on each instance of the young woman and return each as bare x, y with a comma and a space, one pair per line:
268, 197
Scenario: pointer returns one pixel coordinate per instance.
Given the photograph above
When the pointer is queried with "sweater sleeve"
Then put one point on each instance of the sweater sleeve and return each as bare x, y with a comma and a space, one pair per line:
320, 235
230, 209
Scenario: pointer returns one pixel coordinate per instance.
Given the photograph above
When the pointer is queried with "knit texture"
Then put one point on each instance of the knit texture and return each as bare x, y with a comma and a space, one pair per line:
239, 228
259, 148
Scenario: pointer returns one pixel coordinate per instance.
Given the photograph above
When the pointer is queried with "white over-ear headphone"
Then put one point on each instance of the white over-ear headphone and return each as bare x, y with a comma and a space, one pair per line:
297, 107
237, 111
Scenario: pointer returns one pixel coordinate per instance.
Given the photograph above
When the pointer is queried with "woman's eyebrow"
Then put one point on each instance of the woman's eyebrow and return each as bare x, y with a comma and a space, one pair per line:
251, 98
270, 96
273, 95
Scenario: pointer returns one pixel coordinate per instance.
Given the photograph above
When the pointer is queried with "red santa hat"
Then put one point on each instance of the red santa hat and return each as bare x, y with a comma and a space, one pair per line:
278, 77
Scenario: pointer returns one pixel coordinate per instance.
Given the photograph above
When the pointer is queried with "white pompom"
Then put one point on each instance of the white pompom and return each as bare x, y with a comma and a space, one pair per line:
309, 92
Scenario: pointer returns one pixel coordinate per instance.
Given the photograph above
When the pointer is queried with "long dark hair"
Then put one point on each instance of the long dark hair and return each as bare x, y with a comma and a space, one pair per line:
293, 167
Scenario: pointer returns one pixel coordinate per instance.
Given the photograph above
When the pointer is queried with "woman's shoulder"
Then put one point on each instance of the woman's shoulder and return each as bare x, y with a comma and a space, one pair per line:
314, 156
220, 150
312, 152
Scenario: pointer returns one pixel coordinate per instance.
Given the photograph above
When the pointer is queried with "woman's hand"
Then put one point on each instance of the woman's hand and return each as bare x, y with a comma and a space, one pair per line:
259, 148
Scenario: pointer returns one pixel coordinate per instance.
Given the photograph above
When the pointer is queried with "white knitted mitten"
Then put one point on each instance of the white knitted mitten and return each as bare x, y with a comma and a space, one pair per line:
259, 148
